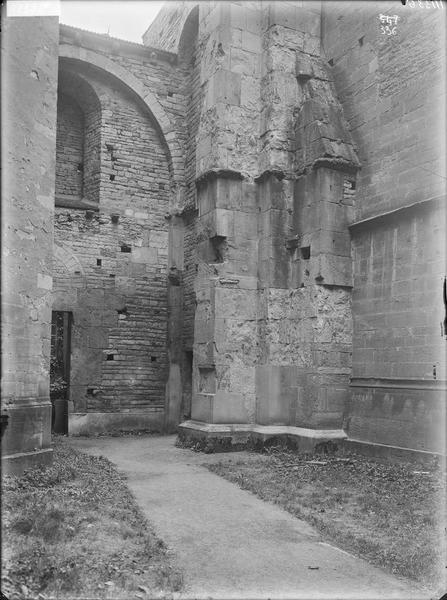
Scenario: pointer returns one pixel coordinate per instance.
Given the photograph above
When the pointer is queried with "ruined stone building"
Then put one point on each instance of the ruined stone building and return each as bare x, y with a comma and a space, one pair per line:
236, 226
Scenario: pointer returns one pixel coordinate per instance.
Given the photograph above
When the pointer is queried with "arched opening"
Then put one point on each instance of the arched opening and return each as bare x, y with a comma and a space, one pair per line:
69, 148
111, 253
78, 137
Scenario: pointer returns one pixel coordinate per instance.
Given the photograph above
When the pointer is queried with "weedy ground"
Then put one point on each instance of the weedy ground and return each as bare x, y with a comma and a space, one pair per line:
74, 530
392, 514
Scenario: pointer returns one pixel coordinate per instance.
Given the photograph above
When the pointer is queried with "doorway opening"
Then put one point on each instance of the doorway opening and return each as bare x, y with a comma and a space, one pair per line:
61, 322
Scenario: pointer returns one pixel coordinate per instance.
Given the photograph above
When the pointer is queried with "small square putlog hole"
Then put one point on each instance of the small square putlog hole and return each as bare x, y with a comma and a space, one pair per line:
153, 359
110, 357
305, 252
98, 262
126, 248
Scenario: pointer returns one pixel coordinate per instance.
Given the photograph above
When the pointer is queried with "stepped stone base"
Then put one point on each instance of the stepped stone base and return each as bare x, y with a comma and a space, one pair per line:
389, 452
304, 440
15, 464
95, 423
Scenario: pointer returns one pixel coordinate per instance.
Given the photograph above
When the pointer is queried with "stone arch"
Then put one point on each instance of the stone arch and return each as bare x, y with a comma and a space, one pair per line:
188, 34
73, 88
161, 120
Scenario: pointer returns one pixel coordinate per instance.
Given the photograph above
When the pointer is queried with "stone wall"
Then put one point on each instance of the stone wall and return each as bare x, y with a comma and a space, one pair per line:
111, 268
29, 70
166, 29
304, 249
395, 107
69, 148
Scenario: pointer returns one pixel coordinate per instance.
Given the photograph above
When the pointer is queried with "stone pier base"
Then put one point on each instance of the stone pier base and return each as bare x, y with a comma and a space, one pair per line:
302, 439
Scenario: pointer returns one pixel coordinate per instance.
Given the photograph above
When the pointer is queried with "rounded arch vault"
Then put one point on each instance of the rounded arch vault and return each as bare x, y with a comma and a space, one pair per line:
160, 118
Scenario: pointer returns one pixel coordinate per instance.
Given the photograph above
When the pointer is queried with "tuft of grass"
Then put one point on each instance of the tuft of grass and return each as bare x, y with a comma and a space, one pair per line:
74, 530
392, 514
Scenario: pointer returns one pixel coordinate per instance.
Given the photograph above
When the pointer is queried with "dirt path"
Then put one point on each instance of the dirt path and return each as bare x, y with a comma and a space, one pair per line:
229, 543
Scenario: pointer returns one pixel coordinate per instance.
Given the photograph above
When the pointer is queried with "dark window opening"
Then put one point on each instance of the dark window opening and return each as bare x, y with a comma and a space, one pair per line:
305, 252
115, 218
90, 391
110, 357
122, 311
98, 262
153, 359
219, 247
126, 248
112, 177
353, 185
61, 322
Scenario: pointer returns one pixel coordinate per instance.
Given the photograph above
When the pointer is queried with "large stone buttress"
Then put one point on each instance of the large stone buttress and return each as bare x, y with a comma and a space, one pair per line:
275, 177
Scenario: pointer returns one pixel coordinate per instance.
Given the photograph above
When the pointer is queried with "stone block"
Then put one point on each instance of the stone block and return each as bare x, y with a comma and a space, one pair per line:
235, 303
331, 242
250, 92
225, 86
333, 217
244, 63
228, 192
145, 255
276, 394
206, 197
202, 407
251, 42
224, 222
283, 13
229, 408
246, 226
335, 270
253, 19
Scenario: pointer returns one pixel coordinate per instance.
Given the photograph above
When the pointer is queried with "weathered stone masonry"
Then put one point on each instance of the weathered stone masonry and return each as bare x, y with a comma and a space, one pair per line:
276, 92
248, 225
118, 294
395, 108
29, 65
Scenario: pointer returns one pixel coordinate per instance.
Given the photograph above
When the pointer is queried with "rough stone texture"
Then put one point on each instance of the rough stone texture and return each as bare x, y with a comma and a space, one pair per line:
395, 108
112, 276
69, 148
233, 200
29, 69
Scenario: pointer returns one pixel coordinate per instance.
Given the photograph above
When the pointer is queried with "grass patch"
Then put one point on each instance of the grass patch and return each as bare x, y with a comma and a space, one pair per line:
74, 530
392, 514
